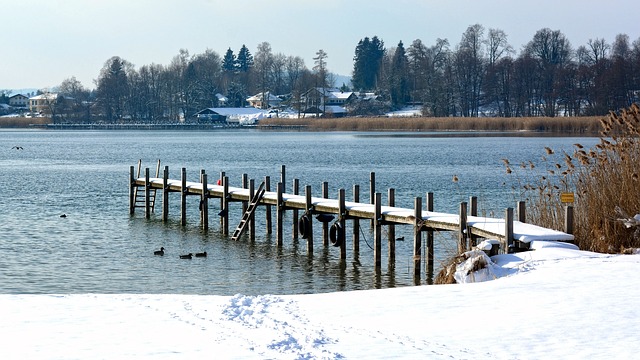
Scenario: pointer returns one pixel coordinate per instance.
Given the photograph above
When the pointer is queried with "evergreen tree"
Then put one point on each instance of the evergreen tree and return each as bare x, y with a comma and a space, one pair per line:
399, 81
367, 62
244, 60
229, 61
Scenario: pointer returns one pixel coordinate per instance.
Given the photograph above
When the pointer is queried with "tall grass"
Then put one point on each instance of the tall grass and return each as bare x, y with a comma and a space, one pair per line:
577, 125
22, 122
604, 179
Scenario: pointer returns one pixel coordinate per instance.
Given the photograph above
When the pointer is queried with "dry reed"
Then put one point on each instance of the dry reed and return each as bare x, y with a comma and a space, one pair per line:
22, 122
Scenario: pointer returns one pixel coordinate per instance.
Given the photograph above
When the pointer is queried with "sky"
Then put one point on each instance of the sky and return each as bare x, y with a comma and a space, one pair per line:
48, 41
550, 303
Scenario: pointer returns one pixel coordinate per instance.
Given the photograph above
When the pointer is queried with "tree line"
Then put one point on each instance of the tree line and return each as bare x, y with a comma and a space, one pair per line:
481, 75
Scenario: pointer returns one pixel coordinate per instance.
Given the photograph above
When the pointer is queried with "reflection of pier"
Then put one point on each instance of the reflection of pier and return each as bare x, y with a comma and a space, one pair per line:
514, 235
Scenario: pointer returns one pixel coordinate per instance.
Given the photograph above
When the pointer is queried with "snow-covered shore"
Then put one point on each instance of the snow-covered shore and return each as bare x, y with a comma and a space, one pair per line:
548, 303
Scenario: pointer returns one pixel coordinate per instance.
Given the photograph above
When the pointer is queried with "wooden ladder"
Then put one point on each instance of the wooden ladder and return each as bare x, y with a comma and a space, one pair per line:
250, 210
139, 195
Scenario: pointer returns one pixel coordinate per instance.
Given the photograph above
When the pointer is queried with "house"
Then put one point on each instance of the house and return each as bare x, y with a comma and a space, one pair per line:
240, 116
19, 100
264, 100
43, 102
326, 100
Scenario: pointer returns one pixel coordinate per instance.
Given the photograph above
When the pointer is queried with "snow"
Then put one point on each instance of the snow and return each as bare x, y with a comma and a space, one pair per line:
554, 302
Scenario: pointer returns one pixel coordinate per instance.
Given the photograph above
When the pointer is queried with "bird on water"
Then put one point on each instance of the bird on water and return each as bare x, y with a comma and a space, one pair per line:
63, 215
18, 148
159, 252
188, 256
202, 254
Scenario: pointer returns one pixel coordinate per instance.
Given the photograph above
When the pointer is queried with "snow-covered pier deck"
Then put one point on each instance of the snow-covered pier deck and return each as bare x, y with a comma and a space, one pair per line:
513, 234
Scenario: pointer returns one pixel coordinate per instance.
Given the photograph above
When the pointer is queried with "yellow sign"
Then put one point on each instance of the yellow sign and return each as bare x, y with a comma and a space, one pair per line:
566, 197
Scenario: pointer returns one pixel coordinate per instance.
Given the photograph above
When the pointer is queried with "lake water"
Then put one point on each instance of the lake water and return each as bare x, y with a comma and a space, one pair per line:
100, 248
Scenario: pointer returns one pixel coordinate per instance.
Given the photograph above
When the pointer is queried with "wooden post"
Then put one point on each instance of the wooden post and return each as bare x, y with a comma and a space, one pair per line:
309, 208
372, 191
356, 222
522, 214
225, 206
568, 219
147, 194
430, 250
462, 230
252, 219
183, 198
220, 182
473, 211
267, 187
245, 184
391, 229
204, 201
283, 177
377, 230
325, 225
280, 216
165, 194
417, 238
296, 191
132, 191
508, 230
341, 218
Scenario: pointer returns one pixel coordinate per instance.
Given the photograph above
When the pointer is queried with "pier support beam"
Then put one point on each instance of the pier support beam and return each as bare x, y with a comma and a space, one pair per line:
183, 197
391, 229
220, 182
132, 190
508, 230
165, 194
294, 215
267, 208
309, 208
325, 225
204, 201
225, 206
280, 215
372, 191
252, 218
473, 211
147, 194
356, 222
377, 230
430, 249
417, 239
522, 211
462, 230
568, 219
342, 210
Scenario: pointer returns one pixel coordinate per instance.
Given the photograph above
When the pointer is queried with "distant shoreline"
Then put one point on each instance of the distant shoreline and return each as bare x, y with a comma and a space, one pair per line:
407, 127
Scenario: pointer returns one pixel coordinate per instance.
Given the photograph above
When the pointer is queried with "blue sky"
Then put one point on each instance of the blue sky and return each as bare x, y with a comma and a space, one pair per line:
47, 41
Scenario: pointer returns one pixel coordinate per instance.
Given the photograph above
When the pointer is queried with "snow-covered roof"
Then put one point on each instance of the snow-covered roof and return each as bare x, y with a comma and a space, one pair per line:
260, 96
46, 96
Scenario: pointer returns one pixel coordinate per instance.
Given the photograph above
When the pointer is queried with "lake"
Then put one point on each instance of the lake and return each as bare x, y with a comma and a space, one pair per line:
100, 248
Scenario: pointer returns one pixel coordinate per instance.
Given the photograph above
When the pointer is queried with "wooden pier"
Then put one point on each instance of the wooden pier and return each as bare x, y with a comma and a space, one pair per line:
513, 233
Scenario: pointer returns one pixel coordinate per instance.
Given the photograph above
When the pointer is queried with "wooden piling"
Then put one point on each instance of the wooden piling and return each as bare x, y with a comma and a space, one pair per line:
309, 209
377, 230
522, 212
132, 190
342, 212
252, 218
165, 194
294, 214
147, 194
183, 197
417, 238
568, 219
220, 181
267, 208
356, 222
325, 224
508, 230
204, 201
473, 211
245, 185
372, 191
462, 230
225, 206
391, 229
283, 178
430, 249
280, 215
